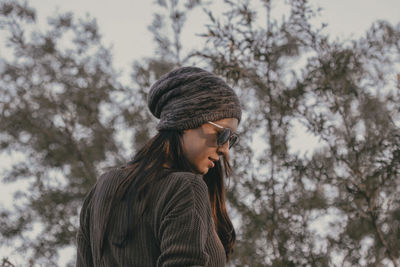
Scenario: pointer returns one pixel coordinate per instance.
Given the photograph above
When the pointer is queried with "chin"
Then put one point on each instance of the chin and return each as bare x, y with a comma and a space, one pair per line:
202, 171
205, 172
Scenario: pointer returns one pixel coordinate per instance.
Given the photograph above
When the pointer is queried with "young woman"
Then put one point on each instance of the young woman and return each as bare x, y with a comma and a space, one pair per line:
166, 207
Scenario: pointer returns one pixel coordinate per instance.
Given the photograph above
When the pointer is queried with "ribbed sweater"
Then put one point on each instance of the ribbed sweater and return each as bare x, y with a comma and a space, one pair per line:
177, 230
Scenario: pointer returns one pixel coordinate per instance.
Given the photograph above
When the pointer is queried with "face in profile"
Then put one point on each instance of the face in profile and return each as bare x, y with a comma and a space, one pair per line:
200, 145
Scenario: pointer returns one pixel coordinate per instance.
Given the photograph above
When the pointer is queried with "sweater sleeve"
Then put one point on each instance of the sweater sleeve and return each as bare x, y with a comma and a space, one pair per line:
84, 252
184, 223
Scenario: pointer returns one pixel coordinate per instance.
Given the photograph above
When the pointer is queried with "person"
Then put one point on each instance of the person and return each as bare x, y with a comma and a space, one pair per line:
166, 207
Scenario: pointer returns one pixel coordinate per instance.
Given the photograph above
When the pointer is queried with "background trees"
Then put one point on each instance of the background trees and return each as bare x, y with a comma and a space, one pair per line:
346, 96
64, 109
57, 108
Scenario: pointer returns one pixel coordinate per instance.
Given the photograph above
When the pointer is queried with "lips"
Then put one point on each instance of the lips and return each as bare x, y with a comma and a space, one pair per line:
212, 162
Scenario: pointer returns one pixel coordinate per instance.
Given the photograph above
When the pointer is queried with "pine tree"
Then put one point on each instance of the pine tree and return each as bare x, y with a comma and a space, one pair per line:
355, 112
279, 196
56, 90
64, 109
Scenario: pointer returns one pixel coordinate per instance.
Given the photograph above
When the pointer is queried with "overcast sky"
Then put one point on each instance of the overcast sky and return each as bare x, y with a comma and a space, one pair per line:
123, 24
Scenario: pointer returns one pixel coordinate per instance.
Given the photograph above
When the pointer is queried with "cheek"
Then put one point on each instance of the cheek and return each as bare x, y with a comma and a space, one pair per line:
195, 150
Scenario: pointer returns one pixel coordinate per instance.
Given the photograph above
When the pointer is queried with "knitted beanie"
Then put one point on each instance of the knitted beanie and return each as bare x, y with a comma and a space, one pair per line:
188, 97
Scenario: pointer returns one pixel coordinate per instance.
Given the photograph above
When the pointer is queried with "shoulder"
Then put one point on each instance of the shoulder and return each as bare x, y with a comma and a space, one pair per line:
112, 174
186, 178
193, 183
181, 191
107, 184
111, 177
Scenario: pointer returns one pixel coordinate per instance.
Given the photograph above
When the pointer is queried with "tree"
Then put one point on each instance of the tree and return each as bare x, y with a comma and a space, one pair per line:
166, 28
58, 109
63, 108
339, 97
356, 114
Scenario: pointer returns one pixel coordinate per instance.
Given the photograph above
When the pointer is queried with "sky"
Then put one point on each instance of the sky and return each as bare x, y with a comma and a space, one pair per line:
123, 25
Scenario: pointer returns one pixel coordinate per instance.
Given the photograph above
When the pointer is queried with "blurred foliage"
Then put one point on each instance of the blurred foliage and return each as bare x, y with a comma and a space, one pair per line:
55, 91
288, 73
61, 105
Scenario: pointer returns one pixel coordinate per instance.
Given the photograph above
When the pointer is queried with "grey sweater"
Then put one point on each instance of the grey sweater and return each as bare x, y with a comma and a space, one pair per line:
178, 230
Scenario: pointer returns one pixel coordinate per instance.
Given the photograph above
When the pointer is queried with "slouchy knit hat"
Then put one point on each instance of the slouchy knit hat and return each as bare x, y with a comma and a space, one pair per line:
188, 97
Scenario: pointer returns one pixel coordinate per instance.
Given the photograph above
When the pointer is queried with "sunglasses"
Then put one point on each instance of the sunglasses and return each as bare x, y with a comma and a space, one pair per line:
225, 135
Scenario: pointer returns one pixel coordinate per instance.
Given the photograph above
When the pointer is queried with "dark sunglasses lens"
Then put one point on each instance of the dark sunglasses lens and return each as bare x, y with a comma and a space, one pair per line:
223, 137
233, 140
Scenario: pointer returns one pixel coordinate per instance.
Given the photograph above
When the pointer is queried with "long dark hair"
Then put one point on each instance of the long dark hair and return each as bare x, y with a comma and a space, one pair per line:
148, 165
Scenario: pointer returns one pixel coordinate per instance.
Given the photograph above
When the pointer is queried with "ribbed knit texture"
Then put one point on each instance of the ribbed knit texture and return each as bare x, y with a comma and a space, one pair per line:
188, 97
178, 230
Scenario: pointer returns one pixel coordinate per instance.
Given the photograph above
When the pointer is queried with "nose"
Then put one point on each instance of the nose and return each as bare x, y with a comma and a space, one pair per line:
224, 149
